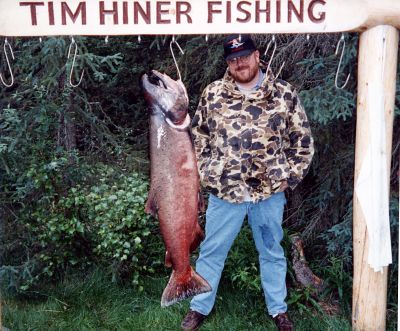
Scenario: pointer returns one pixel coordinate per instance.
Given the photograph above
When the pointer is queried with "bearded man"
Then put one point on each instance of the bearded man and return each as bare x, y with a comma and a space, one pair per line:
252, 141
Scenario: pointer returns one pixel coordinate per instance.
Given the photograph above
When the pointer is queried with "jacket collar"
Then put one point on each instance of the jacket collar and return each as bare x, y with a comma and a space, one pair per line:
267, 85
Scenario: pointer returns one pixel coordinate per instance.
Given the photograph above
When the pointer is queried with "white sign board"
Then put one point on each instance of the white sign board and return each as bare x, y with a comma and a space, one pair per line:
123, 17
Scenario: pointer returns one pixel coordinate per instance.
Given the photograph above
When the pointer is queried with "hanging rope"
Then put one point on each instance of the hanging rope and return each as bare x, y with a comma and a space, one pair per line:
173, 41
6, 43
341, 41
273, 41
73, 43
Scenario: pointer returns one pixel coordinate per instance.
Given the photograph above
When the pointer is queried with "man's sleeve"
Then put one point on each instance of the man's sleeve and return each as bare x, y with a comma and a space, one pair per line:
201, 135
300, 143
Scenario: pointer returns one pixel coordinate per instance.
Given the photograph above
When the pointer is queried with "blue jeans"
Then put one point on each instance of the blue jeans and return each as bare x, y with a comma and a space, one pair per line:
223, 223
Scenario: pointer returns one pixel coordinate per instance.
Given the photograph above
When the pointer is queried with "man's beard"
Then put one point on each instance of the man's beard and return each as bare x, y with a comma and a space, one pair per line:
246, 76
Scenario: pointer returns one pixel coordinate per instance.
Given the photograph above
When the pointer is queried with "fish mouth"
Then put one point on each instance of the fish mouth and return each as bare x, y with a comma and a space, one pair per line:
156, 81
165, 95
155, 87
156, 78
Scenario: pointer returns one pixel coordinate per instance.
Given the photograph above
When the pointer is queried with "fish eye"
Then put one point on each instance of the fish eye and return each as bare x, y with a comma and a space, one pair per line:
155, 80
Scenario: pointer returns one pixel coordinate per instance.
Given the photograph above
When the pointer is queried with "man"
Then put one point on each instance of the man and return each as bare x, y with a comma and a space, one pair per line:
252, 141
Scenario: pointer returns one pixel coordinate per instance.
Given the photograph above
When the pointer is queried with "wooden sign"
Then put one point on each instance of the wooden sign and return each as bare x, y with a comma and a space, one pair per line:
124, 17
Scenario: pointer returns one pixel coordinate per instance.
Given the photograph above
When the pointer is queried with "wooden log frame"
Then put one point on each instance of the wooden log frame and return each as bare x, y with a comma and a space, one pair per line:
377, 64
179, 17
377, 21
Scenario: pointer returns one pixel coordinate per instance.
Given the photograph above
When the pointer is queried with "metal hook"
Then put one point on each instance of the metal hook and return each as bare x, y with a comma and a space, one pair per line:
173, 41
73, 43
273, 52
269, 44
280, 70
6, 43
272, 56
341, 40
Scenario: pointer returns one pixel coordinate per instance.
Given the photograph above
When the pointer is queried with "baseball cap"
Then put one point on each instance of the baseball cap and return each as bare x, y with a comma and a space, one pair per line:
237, 45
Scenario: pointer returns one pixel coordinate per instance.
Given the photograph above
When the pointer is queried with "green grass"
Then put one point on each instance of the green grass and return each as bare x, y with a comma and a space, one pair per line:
94, 303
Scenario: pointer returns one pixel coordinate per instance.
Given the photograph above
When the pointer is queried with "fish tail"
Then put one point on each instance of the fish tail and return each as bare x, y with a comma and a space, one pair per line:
178, 290
198, 238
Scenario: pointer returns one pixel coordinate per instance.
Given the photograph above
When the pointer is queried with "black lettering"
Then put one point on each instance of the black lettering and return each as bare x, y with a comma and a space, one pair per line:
104, 12
161, 11
267, 11
299, 13
51, 13
180, 11
211, 10
33, 9
73, 16
278, 11
244, 11
311, 15
146, 15
228, 12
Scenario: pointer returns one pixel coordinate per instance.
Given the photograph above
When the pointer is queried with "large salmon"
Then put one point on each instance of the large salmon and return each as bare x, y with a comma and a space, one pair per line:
174, 189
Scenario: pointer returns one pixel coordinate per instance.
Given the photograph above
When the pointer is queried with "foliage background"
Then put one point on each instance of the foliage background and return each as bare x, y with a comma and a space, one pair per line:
74, 163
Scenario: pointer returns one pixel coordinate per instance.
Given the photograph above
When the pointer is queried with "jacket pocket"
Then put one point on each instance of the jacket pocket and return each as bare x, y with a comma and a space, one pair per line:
277, 171
211, 172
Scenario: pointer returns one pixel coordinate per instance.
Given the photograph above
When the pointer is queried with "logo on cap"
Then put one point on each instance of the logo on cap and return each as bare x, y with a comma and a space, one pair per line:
235, 43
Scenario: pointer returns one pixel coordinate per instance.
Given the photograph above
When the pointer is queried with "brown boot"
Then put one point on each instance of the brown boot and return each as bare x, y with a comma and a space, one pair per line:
192, 321
283, 322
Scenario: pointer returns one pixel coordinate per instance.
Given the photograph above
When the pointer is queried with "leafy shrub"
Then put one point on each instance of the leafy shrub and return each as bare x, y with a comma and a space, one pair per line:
302, 299
337, 279
123, 229
103, 223
338, 238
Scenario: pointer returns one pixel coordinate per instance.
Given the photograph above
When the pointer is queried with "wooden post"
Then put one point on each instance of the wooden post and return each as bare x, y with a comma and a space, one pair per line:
377, 64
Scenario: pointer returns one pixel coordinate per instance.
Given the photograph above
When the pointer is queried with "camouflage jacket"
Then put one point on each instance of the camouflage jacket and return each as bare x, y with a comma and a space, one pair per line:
251, 142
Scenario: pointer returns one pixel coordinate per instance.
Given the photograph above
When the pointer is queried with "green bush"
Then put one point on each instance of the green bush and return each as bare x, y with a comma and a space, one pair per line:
103, 223
123, 231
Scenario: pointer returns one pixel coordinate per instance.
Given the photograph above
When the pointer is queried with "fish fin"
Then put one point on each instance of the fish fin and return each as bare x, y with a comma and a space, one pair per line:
168, 261
202, 202
179, 290
151, 204
198, 238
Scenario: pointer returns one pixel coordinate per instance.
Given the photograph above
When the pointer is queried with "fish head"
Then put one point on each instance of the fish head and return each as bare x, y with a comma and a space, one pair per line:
165, 95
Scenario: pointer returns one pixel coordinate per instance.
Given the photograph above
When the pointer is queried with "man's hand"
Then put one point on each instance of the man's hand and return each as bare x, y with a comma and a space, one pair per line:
284, 185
